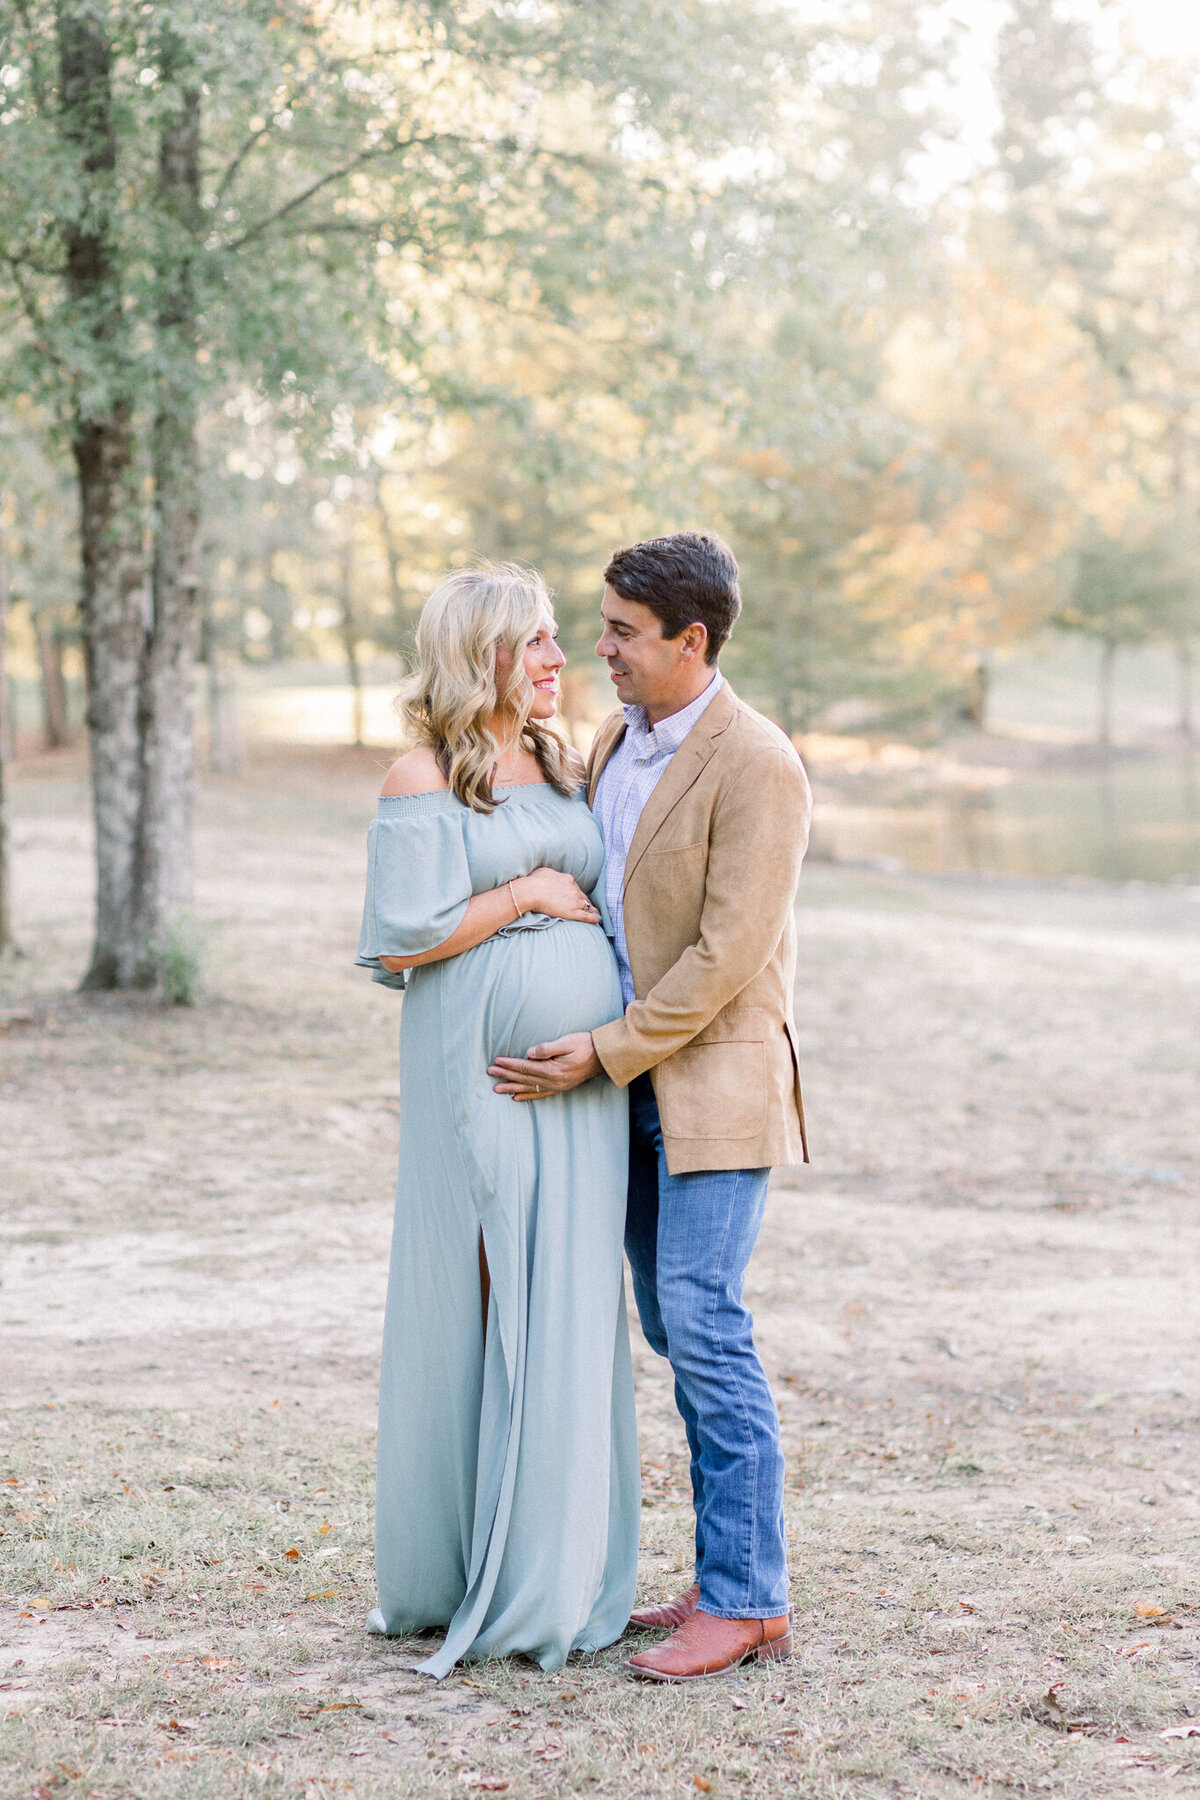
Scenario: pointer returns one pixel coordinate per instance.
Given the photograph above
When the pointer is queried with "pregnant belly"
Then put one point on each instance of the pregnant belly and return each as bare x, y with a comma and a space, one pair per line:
498, 1000
538, 985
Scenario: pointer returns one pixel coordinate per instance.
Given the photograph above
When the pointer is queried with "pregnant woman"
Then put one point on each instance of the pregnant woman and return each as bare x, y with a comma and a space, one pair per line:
508, 1488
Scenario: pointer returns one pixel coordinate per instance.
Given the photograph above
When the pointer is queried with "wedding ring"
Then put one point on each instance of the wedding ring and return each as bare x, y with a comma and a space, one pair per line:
537, 1088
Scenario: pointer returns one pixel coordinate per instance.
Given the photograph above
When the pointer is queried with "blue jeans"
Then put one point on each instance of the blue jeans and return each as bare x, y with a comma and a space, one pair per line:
689, 1239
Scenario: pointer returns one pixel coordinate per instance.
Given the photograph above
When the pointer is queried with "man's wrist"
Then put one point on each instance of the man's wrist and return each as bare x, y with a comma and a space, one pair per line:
607, 1038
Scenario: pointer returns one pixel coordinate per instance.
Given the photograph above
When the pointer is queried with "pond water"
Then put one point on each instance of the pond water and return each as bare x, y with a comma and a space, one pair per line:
1130, 818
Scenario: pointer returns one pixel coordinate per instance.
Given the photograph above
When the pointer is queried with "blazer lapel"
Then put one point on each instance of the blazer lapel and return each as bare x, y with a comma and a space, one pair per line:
607, 738
682, 770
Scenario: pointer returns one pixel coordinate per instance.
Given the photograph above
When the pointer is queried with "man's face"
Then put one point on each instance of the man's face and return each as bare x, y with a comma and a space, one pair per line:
647, 669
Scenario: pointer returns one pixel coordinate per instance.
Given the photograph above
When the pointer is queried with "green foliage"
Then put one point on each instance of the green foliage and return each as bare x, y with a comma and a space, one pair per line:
399, 209
179, 963
534, 281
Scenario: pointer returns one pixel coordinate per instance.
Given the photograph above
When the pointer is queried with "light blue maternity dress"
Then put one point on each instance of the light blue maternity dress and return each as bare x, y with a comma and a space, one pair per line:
508, 1499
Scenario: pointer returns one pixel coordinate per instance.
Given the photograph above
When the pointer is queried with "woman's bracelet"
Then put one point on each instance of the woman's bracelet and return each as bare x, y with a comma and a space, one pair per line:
512, 896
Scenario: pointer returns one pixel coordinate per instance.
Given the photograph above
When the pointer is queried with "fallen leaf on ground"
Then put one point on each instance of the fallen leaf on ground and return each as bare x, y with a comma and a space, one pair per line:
704, 1786
292, 1554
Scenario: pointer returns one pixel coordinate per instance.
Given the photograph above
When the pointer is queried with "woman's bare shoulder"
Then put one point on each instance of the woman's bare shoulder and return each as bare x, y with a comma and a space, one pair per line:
416, 772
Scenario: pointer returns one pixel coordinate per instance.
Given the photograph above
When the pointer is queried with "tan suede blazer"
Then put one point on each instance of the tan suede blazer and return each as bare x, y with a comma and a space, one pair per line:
709, 890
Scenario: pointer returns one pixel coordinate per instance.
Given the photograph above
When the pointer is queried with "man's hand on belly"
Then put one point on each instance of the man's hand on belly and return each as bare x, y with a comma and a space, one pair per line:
551, 1068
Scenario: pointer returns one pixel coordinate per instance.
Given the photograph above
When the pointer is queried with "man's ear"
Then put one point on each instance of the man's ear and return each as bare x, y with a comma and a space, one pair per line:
694, 641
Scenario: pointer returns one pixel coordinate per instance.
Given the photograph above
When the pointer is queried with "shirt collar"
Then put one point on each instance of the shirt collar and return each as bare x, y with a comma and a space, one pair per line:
664, 739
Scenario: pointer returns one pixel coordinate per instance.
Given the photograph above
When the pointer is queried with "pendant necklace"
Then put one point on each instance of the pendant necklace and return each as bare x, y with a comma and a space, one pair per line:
498, 777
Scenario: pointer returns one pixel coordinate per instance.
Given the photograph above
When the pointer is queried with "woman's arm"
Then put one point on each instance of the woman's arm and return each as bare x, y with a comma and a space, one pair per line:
484, 916
548, 891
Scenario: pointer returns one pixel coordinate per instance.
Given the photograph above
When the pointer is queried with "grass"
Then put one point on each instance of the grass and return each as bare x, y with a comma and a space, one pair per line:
179, 963
189, 1594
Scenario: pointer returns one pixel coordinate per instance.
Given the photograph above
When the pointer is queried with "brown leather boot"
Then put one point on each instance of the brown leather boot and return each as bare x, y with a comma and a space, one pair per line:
670, 1615
706, 1646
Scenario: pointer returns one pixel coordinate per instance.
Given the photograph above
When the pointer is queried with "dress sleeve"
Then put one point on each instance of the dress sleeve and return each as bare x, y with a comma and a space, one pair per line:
418, 880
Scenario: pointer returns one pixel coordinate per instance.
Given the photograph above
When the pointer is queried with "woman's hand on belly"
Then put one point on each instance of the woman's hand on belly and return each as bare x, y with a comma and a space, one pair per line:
556, 894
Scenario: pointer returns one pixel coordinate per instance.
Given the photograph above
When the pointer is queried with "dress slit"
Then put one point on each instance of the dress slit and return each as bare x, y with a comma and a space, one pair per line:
485, 1286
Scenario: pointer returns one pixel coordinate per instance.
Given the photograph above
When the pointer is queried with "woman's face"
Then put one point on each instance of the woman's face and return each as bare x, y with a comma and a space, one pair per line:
543, 659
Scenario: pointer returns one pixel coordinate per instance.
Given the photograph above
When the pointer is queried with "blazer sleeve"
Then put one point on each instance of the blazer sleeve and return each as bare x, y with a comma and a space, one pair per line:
757, 840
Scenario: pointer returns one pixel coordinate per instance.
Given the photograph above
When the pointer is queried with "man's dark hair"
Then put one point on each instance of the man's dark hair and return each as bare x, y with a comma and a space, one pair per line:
686, 579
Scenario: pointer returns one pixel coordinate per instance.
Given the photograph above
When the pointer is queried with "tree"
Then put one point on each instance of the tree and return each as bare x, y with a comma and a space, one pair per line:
1115, 597
216, 189
41, 533
7, 942
1098, 152
219, 192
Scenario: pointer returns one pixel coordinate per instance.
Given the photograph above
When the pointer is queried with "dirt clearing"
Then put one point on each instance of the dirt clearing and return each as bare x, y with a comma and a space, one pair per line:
979, 1308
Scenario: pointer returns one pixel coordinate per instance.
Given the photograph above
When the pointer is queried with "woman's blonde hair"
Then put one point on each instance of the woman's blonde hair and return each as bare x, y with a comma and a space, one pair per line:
457, 686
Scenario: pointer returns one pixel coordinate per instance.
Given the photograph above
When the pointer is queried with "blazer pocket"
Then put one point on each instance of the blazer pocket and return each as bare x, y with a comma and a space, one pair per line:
716, 1090
660, 853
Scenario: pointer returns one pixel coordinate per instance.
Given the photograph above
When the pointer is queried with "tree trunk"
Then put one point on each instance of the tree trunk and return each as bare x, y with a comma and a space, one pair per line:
224, 750
103, 446
350, 633
55, 724
785, 696
401, 622
1108, 664
168, 673
7, 944
7, 734
1185, 688
978, 685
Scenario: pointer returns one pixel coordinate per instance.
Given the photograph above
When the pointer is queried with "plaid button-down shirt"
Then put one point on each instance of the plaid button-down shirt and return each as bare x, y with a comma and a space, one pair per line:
629, 777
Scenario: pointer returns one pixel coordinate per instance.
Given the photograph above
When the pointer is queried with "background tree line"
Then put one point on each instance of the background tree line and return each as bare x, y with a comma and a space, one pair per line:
300, 303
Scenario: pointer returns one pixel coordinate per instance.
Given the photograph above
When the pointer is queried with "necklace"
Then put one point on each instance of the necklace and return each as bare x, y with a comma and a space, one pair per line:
500, 779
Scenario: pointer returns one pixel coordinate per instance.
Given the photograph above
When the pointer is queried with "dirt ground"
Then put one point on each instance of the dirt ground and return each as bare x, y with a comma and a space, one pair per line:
979, 1308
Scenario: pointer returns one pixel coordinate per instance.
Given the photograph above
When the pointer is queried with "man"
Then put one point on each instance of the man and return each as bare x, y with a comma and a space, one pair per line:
705, 811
